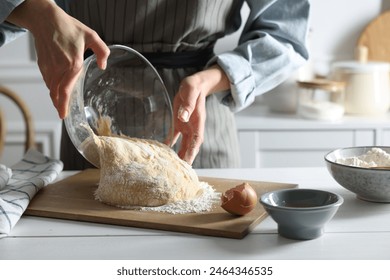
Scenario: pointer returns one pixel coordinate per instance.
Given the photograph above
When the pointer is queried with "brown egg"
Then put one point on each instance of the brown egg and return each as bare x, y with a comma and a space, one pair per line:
239, 200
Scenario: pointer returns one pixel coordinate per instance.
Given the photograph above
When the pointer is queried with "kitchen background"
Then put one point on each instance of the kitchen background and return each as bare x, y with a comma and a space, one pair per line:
268, 138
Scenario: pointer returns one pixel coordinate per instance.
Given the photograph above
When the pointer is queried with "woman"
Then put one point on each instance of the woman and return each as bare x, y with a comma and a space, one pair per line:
206, 89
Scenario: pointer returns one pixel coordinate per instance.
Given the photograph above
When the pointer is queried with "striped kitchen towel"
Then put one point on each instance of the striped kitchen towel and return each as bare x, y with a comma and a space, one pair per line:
20, 183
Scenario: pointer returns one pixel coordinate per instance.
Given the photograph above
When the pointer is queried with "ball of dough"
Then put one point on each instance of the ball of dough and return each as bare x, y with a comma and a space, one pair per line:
139, 172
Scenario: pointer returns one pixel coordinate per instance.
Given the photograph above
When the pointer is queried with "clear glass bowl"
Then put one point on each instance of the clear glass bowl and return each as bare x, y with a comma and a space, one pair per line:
129, 93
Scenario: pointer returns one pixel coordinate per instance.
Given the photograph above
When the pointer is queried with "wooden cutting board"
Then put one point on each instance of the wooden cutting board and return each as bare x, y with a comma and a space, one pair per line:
376, 38
72, 199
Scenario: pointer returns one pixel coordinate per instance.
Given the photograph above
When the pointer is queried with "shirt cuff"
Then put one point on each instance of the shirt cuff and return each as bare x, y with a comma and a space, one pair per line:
9, 32
6, 7
242, 82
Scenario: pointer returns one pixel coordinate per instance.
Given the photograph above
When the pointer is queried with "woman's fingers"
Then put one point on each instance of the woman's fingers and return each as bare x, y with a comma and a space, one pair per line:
189, 121
196, 126
187, 98
65, 91
99, 48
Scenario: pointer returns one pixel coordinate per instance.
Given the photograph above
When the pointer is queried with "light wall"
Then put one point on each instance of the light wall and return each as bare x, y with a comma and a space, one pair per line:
335, 27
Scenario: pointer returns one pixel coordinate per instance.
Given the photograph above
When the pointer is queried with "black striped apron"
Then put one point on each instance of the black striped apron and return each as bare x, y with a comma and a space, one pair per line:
167, 26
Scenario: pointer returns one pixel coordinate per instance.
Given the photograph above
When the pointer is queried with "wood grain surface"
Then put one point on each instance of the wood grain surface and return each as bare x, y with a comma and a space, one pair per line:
376, 37
73, 199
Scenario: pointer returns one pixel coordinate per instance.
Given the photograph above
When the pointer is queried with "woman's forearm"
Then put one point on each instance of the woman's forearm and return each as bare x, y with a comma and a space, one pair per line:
60, 43
29, 14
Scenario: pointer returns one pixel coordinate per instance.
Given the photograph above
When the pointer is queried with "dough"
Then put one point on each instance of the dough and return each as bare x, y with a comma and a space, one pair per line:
88, 146
139, 172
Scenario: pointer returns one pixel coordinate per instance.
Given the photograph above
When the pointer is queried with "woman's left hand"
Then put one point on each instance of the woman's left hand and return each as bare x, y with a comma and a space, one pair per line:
189, 109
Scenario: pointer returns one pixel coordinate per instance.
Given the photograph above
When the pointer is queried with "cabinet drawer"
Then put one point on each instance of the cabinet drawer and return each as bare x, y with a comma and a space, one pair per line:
291, 158
309, 140
288, 148
386, 137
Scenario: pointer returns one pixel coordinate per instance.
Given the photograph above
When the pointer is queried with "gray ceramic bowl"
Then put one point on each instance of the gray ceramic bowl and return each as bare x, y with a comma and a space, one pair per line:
301, 213
368, 184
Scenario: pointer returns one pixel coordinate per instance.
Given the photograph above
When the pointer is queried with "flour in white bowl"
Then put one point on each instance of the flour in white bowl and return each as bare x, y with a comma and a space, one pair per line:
372, 158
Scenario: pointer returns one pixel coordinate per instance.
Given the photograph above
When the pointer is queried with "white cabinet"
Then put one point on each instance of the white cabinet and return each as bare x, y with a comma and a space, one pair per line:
273, 140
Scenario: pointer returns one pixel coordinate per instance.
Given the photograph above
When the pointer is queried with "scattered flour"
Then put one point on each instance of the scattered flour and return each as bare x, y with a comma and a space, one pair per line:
374, 157
203, 203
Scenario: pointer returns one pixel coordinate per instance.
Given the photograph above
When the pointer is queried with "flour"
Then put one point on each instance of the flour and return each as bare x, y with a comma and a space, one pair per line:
374, 157
203, 203
321, 110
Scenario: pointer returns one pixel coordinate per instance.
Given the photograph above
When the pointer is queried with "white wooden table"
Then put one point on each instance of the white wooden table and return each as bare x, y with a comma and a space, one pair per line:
359, 231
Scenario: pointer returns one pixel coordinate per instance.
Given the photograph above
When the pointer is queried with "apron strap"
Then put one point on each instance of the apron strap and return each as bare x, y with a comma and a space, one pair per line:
171, 60
186, 59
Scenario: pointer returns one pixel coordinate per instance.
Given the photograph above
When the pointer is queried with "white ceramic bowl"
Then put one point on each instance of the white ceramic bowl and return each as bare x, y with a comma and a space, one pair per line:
368, 184
301, 213
129, 92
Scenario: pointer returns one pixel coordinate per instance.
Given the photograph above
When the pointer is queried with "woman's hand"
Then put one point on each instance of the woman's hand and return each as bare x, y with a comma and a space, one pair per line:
60, 42
189, 109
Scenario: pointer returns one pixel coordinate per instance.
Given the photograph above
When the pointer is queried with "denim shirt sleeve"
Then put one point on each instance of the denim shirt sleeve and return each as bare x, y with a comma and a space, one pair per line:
8, 32
6, 7
271, 46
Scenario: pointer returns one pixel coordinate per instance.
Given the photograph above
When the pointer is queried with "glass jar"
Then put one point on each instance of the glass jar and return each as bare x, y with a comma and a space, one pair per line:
367, 86
321, 99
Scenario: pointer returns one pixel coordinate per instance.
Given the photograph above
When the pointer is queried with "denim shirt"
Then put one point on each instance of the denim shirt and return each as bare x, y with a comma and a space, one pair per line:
8, 32
271, 46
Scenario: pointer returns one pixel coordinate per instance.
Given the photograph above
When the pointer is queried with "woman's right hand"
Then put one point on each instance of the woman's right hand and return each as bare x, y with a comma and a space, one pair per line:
189, 109
60, 42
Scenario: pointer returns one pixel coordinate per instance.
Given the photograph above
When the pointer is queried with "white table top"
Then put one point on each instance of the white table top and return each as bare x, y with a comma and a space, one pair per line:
359, 230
